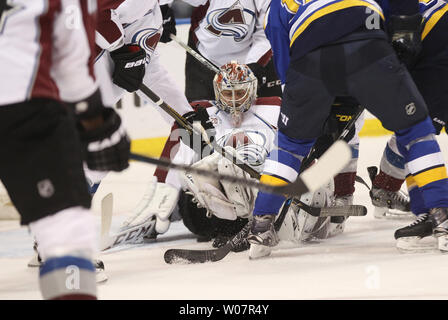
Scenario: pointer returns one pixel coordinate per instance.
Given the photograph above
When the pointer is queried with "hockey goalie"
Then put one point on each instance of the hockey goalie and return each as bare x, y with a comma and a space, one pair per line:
242, 125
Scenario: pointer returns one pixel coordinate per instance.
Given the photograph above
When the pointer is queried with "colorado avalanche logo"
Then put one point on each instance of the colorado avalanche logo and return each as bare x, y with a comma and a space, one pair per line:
230, 22
147, 39
249, 144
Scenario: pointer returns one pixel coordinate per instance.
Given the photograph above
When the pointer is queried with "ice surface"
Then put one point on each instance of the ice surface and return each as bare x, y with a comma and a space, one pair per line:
362, 263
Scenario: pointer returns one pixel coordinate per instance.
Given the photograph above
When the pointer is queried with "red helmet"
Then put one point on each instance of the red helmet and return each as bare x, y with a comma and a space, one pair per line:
235, 89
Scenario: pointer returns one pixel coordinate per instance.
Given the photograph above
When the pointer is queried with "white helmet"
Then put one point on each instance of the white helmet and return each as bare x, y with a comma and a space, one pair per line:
235, 90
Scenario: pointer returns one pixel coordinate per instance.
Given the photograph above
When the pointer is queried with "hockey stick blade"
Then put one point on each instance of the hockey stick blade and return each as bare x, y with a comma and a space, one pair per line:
343, 211
201, 256
196, 256
129, 235
106, 218
331, 162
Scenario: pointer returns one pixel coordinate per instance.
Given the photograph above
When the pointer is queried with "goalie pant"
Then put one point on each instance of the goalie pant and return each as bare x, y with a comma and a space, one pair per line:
41, 166
400, 107
430, 74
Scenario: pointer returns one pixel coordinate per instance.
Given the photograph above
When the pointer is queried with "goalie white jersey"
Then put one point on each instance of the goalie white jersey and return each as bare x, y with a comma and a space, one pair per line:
231, 28
252, 140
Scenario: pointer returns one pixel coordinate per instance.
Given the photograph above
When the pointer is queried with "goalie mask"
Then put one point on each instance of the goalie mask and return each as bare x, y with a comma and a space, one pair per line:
235, 90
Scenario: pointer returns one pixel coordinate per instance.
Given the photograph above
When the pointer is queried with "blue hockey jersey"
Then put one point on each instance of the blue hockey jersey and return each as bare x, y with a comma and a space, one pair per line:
296, 27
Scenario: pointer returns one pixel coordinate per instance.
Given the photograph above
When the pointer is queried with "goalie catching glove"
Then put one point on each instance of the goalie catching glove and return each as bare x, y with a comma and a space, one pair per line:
222, 199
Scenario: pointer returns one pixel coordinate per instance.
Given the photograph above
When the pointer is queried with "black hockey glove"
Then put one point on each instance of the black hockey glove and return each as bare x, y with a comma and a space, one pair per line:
259, 72
405, 33
105, 142
130, 61
202, 116
169, 23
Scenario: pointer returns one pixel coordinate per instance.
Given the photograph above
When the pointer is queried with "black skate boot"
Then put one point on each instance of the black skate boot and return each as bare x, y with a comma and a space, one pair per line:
262, 236
388, 204
416, 237
101, 275
439, 220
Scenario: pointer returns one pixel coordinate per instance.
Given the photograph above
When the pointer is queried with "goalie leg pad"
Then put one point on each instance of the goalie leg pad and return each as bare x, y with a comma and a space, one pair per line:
158, 203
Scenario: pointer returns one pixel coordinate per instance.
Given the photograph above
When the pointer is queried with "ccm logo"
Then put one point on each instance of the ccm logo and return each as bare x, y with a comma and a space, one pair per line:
135, 63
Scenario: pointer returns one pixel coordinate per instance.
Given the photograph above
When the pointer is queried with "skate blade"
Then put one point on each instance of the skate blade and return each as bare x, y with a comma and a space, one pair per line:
34, 262
392, 214
101, 276
417, 245
442, 243
258, 251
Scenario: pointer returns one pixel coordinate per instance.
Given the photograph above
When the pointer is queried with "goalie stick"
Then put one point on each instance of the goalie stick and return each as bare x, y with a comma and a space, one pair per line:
127, 236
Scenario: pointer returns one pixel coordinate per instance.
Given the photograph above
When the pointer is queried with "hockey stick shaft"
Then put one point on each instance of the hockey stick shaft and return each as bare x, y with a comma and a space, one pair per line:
330, 164
196, 55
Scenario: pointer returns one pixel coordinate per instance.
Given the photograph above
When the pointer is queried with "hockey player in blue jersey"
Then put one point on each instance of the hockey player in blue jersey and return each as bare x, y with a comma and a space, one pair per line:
429, 70
328, 48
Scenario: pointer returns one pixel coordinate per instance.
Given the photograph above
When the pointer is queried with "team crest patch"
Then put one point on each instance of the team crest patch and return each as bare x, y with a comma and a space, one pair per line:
215, 120
147, 39
230, 22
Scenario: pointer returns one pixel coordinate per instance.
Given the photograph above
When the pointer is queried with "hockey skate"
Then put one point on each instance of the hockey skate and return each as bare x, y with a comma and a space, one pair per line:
101, 276
262, 236
416, 237
388, 204
439, 219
